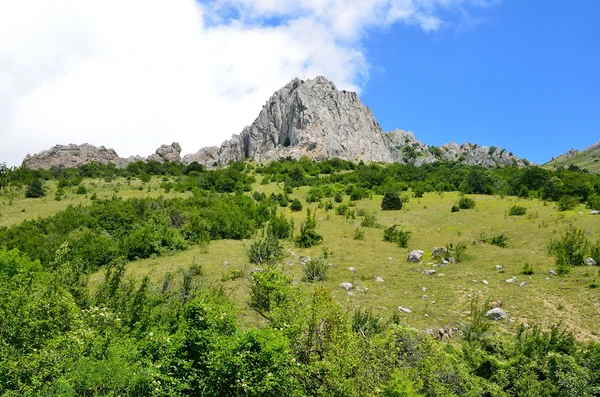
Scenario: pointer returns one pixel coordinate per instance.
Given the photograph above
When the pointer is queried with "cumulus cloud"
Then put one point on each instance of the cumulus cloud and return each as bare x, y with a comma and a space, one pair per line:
133, 74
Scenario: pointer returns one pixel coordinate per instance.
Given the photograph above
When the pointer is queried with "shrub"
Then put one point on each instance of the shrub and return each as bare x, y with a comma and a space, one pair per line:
296, 205
265, 250
338, 197
341, 209
315, 270
500, 241
566, 203
359, 234
35, 189
570, 250
517, 210
308, 236
391, 201
393, 235
268, 288
455, 208
279, 226
527, 269
369, 221
81, 190
466, 203
593, 202
456, 251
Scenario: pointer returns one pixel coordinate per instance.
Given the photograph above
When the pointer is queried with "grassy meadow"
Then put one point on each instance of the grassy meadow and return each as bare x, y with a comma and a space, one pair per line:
545, 299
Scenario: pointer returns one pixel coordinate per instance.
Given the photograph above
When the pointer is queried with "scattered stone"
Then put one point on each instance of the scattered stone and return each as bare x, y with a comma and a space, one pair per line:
362, 290
256, 270
511, 280
525, 325
548, 278
415, 256
439, 252
590, 261
595, 212
424, 297
404, 309
429, 332
225, 263
305, 259
452, 260
346, 286
473, 281
497, 303
512, 319
469, 296
485, 282
496, 314
552, 273
350, 293
430, 272
379, 280
426, 315
522, 284
498, 267
352, 269
580, 213
424, 289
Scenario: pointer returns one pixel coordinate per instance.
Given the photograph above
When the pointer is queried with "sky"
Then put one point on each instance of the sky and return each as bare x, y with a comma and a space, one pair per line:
134, 74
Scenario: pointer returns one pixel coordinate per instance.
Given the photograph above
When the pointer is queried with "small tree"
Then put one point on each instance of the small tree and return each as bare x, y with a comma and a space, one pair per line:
570, 250
308, 236
3, 175
296, 205
391, 201
35, 189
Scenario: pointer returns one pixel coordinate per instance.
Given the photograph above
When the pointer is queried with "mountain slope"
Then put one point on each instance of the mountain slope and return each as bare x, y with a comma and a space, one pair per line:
588, 159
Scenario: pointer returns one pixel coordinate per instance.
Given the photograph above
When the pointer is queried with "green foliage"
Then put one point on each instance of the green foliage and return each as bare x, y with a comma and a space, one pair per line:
399, 236
391, 201
500, 241
359, 234
593, 202
265, 250
296, 205
81, 190
569, 250
455, 208
268, 288
456, 251
517, 210
35, 189
479, 324
466, 203
527, 269
315, 270
567, 203
369, 221
308, 236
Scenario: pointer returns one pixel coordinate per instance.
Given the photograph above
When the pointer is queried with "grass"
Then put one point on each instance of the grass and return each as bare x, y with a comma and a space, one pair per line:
431, 224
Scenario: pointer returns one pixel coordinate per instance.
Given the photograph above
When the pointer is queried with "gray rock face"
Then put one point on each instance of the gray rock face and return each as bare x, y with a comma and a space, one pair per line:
71, 156
208, 156
496, 314
310, 118
166, 153
590, 261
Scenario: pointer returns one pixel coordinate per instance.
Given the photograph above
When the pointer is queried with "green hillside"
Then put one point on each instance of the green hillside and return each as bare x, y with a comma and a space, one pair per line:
148, 281
588, 159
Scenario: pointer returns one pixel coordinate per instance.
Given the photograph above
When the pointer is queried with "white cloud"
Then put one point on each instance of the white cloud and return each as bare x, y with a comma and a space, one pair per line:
133, 74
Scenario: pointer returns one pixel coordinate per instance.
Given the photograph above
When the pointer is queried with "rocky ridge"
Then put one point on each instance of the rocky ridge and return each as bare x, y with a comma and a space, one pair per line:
305, 118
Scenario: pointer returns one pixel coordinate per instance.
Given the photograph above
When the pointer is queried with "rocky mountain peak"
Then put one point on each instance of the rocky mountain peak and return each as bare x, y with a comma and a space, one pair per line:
71, 156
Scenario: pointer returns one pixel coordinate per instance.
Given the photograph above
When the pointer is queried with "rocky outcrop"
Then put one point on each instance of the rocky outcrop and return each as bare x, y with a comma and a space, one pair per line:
71, 156
208, 156
166, 153
310, 118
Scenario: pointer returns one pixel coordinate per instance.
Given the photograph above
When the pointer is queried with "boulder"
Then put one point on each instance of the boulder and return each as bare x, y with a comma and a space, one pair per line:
346, 286
164, 153
590, 261
496, 314
404, 309
415, 256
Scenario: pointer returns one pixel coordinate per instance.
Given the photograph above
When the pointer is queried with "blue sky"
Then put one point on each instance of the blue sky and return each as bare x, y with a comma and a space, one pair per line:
526, 77
133, 74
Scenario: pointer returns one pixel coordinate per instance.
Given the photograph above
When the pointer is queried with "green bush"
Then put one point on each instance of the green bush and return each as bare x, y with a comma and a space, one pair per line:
593, 202
315, 270
391, 201
369, 221
566, 203
279, 226
81, 190
500, 241
466, 203
35, 189
517, 210
455, 208
569, 250
399, 236
296, 205
268, 288
265, 250
359, 234
527, 269
308, 236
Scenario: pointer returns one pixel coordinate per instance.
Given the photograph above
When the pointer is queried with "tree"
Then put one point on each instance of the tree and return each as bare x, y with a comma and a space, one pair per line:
391, 201
3, 175
35, 189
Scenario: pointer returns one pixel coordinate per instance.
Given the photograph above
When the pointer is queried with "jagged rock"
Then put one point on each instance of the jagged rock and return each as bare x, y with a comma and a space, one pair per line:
404, 309
498, 267
208, 157
595, 212
310, 118
439, 252
415, 256
346, 286
379, 280
166, 153
429, 272
71, 156
496, 314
